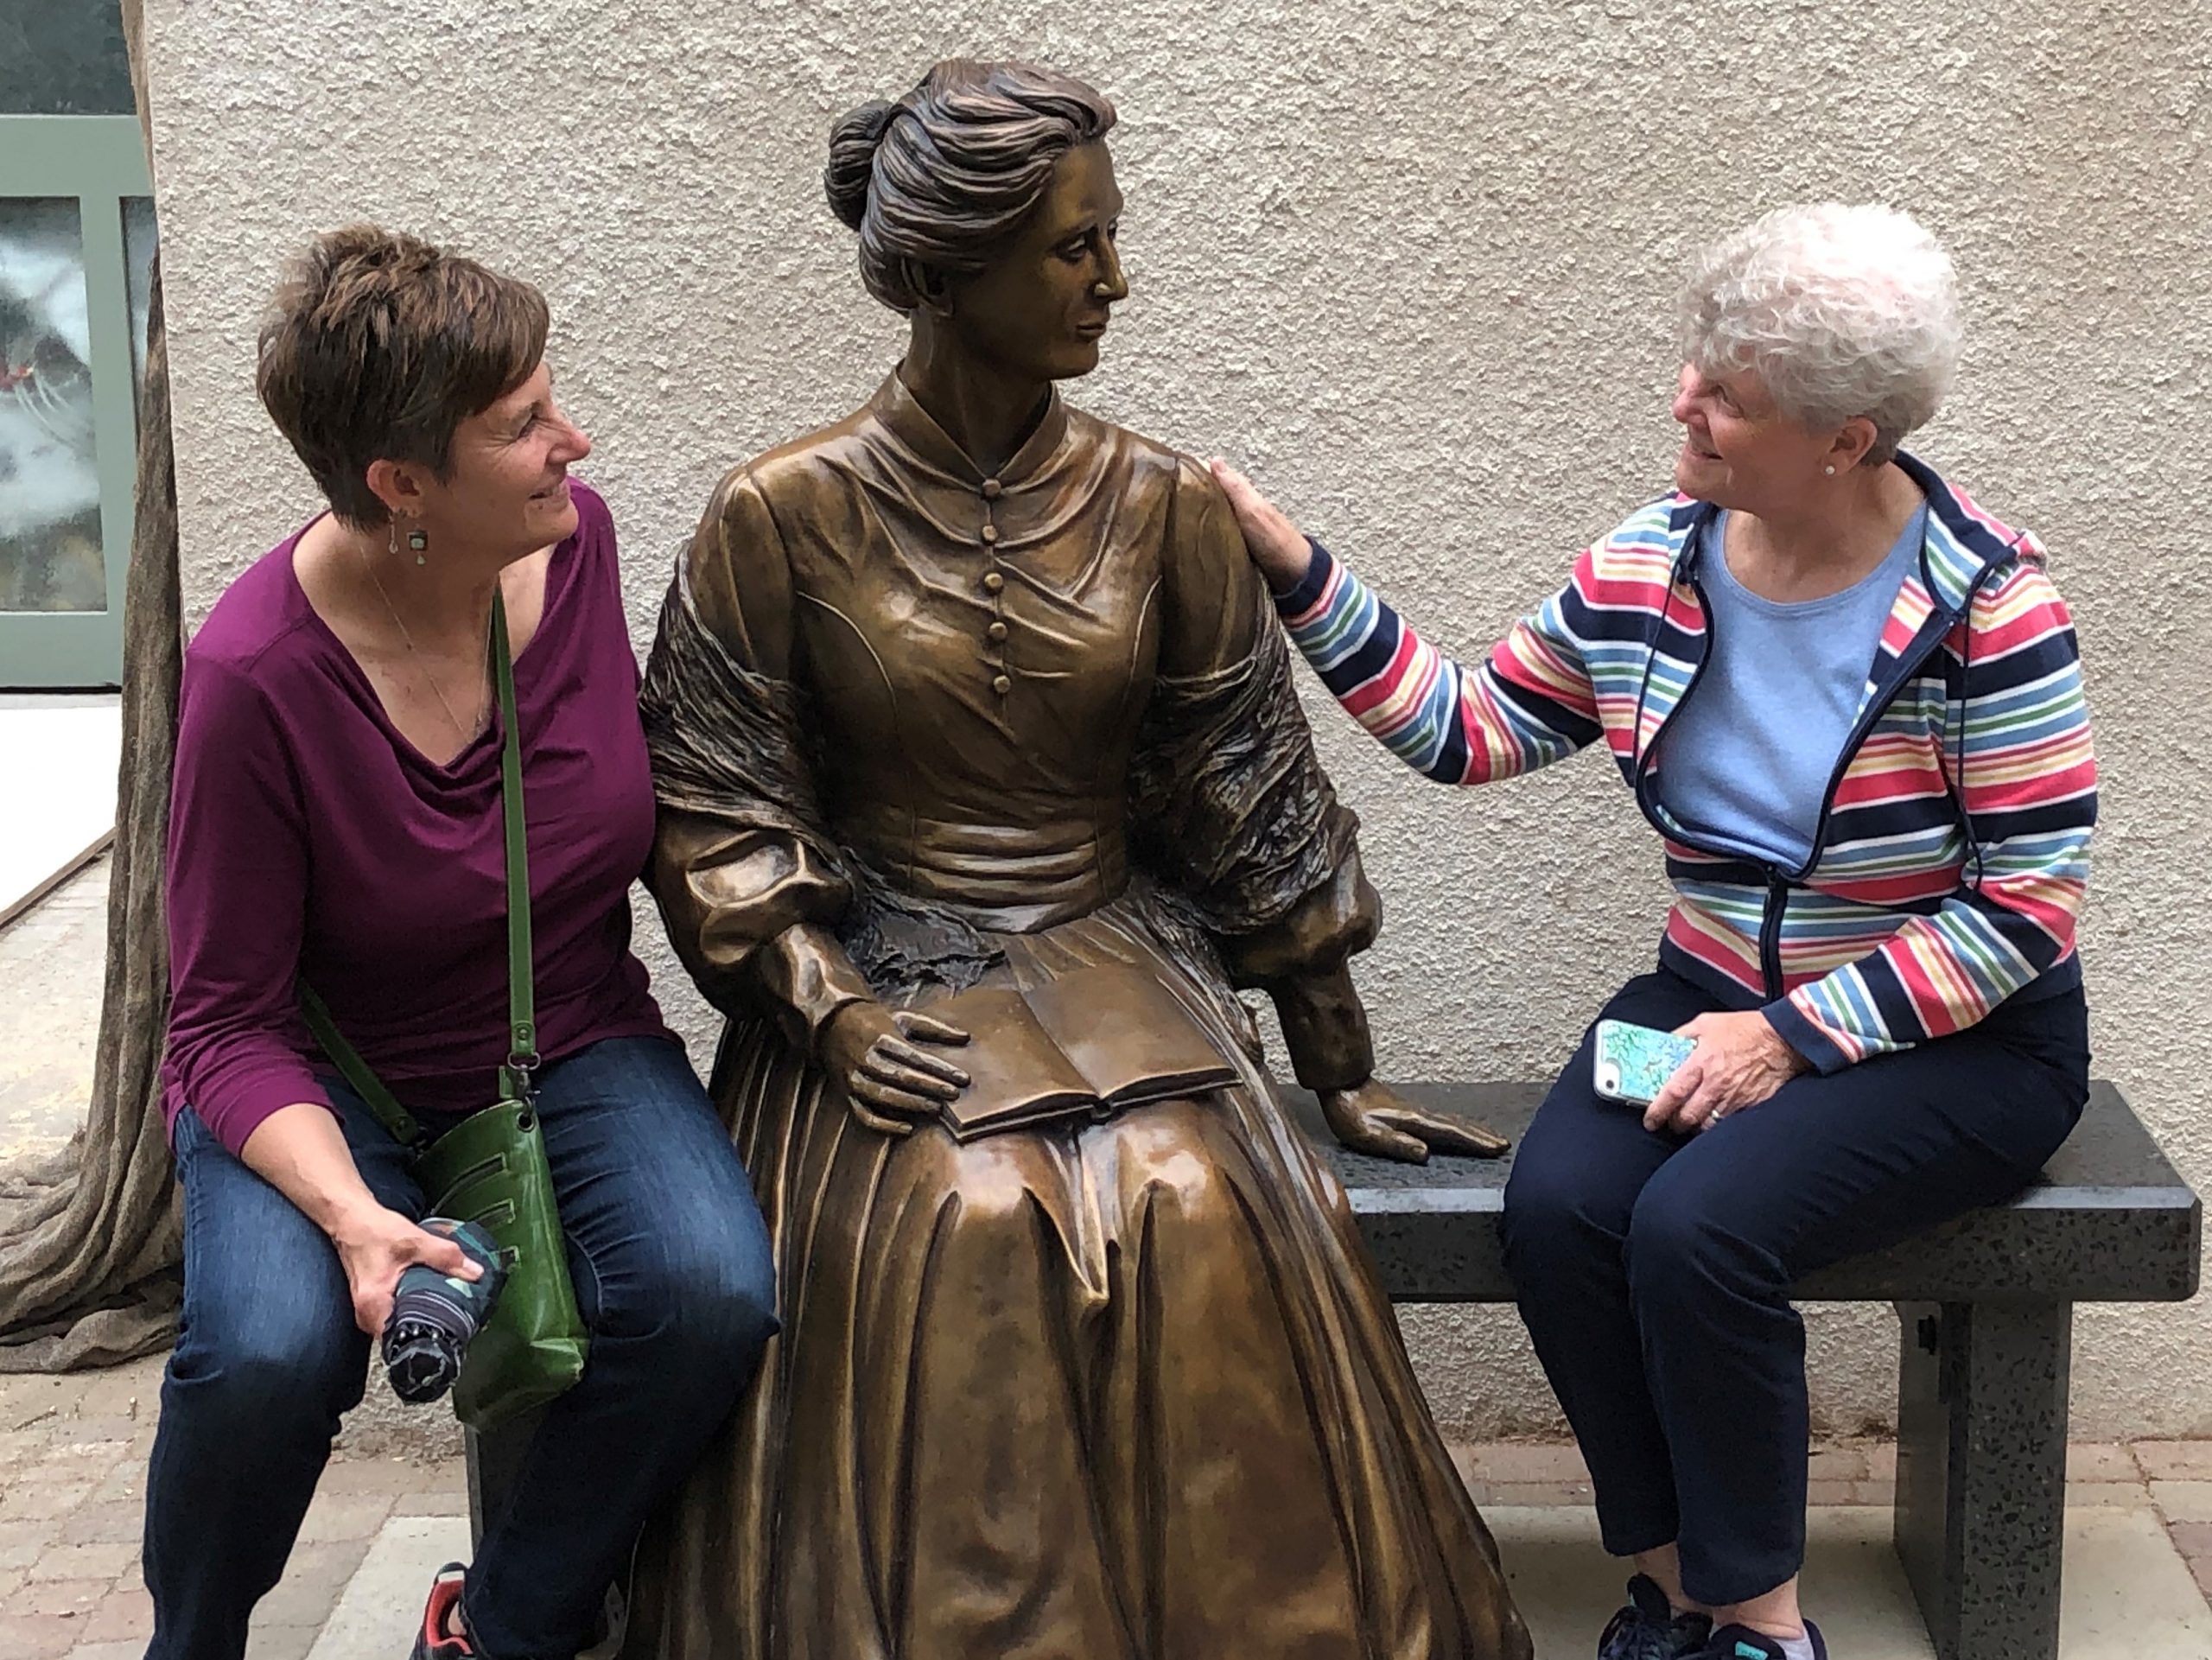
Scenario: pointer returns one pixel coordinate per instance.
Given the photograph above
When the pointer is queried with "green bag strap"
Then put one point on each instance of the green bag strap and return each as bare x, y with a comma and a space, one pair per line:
515, 1072
522, 997
365, 1083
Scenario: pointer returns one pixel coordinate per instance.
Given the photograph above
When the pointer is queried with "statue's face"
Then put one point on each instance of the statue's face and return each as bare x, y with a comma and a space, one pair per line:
1038, 310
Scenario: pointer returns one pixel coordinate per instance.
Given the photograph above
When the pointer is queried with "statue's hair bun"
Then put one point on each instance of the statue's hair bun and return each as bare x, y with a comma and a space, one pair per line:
852, 143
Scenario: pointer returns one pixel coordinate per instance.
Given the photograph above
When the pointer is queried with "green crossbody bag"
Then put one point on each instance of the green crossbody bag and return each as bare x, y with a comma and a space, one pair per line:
490, 1169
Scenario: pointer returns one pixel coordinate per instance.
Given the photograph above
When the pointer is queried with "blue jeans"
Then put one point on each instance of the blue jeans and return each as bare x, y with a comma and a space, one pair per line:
672, 1274
1653, 1270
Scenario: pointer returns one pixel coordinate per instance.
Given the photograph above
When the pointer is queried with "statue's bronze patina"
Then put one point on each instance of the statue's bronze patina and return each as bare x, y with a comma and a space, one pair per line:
983, 785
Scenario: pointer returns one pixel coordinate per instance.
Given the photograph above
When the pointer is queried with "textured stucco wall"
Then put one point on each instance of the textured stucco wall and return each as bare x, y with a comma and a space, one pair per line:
1414, 264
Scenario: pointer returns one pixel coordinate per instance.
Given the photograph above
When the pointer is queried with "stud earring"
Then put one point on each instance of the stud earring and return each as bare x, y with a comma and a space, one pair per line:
1830, 471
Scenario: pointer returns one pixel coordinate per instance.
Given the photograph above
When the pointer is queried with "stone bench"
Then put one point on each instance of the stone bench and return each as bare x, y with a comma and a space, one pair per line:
1986, 1307
1986, 1310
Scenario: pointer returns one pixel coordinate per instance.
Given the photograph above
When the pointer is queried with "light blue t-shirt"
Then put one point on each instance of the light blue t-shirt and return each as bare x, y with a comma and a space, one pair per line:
1745, 762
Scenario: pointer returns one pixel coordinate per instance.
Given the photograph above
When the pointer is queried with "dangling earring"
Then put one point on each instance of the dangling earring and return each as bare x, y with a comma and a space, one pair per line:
419, 539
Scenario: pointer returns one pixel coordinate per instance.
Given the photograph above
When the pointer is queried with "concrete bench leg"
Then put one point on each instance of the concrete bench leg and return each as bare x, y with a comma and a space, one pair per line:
1981, 1473
494, 1460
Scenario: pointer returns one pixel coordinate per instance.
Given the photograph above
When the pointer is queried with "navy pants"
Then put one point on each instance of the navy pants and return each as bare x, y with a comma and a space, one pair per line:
1653, 1270
672, 1274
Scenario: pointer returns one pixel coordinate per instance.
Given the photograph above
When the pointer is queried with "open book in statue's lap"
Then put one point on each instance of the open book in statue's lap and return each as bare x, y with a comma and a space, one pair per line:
1085, 1044
996, 728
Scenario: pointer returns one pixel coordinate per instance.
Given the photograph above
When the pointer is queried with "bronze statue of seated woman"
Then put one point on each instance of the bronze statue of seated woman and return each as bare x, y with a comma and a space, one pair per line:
984, 786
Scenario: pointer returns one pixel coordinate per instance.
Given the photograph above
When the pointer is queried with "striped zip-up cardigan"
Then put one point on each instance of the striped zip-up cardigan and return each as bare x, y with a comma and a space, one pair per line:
1951, 854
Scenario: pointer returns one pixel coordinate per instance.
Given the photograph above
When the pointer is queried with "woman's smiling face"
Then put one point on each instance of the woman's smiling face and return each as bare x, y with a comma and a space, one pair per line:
1738, 450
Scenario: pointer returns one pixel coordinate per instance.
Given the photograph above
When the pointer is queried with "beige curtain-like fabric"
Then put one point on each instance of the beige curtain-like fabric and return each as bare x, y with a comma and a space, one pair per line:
90, 1249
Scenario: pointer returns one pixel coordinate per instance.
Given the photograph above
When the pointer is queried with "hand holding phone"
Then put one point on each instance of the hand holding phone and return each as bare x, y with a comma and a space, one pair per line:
1631, 1064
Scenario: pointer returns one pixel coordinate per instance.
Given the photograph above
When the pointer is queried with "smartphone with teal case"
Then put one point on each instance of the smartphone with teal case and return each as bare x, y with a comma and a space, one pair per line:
1632, 1063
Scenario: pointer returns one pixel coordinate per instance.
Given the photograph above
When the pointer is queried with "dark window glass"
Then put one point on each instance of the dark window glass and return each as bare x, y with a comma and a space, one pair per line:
50, 546
138, 237
63, 57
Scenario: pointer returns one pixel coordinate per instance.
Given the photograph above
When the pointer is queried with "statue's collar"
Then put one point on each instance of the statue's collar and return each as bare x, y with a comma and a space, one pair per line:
901, 413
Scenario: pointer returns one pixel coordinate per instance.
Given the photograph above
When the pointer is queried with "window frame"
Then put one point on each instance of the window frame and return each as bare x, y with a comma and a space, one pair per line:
100, 161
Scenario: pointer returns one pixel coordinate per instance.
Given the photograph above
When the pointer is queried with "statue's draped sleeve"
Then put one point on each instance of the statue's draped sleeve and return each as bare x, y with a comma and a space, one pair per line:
749, 883
1231, 808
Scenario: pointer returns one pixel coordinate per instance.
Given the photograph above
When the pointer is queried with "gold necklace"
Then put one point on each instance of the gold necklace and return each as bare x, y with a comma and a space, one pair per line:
416, 657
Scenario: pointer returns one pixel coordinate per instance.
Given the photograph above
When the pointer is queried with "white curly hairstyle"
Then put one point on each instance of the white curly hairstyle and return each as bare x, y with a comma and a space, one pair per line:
1842, 311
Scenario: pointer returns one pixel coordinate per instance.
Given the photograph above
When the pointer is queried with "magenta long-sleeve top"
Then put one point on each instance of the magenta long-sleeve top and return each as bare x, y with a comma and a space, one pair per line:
309, 839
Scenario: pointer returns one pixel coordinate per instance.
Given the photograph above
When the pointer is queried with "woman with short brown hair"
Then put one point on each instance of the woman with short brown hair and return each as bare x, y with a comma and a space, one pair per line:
337, 821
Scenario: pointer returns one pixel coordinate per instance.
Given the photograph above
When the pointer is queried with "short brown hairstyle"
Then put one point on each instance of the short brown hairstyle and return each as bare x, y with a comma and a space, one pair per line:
379, 346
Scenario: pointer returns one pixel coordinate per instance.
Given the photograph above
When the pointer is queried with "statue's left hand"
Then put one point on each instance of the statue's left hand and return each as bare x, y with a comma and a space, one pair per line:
1375, 1119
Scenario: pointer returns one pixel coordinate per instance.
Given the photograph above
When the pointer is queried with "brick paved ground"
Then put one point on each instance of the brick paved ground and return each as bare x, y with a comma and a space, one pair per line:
50, 976
73, 1453
2174, 1478
73, 1458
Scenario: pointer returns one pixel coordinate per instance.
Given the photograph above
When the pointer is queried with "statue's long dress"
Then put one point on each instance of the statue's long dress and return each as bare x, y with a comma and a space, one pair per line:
1123, 1390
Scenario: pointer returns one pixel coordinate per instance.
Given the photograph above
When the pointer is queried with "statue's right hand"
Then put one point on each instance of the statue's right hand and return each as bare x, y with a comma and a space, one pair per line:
891, 1081
1276, 545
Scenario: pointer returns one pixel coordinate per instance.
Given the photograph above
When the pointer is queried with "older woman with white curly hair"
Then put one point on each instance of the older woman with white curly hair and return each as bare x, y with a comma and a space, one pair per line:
1849, 702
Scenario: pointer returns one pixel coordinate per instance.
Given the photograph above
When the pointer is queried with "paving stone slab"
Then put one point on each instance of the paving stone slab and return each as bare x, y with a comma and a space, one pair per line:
2175, 1460
2127, 1593
2184, 1501
375, 1618
1567, 1588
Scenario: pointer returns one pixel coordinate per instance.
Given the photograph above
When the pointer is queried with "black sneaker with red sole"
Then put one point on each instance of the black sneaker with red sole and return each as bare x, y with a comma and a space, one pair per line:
442, 1637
